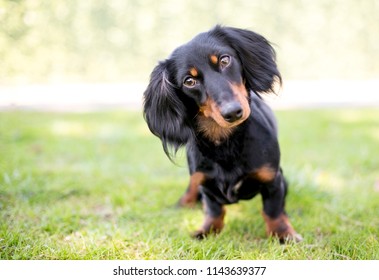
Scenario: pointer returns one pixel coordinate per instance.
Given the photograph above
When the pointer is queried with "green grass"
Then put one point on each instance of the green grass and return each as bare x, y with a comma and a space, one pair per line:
98, 186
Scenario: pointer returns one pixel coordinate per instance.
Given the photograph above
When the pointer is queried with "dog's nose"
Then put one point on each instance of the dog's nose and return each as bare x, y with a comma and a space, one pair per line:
232, 112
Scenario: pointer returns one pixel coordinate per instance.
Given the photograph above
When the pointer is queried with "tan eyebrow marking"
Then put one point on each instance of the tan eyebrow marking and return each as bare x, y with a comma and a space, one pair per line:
193, 72
214, 59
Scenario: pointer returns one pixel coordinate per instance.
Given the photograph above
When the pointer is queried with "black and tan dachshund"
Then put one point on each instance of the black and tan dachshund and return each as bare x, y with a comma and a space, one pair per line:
206, 97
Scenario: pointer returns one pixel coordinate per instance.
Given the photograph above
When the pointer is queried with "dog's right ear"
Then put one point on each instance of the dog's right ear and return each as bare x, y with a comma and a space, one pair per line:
164, 111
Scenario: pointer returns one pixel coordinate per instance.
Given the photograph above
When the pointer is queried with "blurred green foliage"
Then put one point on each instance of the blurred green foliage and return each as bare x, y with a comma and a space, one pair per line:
121, 40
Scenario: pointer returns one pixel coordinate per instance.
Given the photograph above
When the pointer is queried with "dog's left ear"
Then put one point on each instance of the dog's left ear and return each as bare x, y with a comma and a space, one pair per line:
257, 57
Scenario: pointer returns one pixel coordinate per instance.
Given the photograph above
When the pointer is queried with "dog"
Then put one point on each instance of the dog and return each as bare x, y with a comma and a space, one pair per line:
206, 96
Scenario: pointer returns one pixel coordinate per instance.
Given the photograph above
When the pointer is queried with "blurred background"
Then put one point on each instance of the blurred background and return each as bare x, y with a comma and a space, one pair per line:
101, 52
82, 177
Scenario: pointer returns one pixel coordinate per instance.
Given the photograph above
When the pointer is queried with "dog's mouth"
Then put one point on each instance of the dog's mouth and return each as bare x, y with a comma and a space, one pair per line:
229, 114
218, 122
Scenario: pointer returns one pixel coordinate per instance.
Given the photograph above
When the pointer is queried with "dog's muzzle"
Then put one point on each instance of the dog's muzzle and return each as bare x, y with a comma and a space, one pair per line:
232, 112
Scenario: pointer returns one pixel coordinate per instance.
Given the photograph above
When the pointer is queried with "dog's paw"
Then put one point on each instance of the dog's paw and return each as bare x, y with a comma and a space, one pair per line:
282, 229
291, 237
184, 202
199, 234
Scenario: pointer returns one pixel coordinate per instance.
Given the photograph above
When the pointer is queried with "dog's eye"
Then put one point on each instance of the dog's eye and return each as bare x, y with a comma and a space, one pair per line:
190, 82
225, 61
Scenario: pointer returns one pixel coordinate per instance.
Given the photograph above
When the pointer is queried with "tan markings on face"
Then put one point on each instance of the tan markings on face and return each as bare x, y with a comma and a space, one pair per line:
214, 59
193, 72
213, 125
212, 130
211, 110
264, 174
240, 92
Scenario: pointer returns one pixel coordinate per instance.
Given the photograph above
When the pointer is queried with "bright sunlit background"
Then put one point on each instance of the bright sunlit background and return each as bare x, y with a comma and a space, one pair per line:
83, 178
333, 45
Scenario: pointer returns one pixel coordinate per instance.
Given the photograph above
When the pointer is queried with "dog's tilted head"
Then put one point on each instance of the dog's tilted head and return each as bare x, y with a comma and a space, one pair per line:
204, 87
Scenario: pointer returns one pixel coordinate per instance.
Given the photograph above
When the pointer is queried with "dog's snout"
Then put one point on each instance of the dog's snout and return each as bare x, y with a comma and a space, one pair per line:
232, 112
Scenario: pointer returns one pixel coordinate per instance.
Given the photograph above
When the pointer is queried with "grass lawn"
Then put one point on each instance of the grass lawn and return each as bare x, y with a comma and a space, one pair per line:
98, 186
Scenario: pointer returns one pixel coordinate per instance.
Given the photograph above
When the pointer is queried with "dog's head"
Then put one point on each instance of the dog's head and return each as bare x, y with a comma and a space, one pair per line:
205, 85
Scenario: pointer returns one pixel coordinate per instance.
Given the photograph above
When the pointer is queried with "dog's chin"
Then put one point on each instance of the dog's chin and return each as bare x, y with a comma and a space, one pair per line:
227, 125
218, 129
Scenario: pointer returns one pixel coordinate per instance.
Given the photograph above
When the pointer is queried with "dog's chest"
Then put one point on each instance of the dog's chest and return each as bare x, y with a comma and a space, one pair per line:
230, 186
227, 153
227, 179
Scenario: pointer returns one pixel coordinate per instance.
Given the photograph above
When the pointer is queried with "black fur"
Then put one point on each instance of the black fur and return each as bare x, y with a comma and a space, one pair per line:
205, 96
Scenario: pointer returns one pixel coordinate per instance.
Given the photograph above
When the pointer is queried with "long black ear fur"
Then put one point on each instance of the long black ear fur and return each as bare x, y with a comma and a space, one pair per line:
257, 57
164, 112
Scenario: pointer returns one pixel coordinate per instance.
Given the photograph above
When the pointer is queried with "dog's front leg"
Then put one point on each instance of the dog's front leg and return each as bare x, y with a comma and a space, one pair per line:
192, 195
277, 222
214, 219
